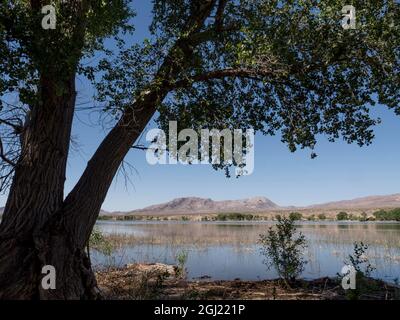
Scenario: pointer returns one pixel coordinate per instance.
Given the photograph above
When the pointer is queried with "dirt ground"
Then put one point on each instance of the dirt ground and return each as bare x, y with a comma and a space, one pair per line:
159, 281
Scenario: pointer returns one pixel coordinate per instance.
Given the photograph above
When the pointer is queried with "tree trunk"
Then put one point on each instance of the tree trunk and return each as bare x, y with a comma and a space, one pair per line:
21, 267
58, 238
39, 227
32, 233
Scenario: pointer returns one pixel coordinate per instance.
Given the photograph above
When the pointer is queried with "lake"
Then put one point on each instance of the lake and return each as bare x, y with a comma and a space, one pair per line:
229, 250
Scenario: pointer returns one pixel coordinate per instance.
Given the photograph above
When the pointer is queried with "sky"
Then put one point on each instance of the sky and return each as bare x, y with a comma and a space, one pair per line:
341, 171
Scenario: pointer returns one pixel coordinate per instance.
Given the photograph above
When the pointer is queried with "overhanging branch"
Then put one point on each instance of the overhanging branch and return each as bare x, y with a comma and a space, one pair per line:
249, 73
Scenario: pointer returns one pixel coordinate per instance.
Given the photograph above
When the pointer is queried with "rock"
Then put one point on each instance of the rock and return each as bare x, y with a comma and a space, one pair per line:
159, 268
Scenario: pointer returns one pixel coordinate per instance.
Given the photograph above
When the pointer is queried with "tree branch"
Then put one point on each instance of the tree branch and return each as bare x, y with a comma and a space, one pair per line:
17, 127
83, 203
219, 18
4, 157
256, 74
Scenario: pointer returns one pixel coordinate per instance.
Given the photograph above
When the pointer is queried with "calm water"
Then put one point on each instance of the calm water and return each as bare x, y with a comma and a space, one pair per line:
229, 250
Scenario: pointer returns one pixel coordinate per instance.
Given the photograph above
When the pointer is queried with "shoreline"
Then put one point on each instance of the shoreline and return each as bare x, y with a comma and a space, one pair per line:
161, 281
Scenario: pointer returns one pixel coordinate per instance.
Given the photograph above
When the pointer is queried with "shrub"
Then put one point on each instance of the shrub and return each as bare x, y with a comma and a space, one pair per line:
392, 215
98, 242
234, 217
395, 213
101, 217
221, 217
363, 217
181, 259
311, 218
360, 262
342, 216
321, 216
283, 249
295, 216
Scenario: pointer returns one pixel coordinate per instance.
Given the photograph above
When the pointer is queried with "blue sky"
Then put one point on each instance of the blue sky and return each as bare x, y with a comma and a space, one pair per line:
340, 171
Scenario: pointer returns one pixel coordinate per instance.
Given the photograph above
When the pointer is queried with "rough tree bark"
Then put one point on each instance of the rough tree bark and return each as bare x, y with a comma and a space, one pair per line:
37, 191
39, 226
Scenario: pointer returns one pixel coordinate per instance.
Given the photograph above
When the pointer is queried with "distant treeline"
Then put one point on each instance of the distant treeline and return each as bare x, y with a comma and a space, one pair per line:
235, 216
219, 217
132, 218
381, 215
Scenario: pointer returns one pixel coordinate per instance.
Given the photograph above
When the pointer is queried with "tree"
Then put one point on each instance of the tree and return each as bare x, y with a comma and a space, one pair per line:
342, 216
295, 216
283, 67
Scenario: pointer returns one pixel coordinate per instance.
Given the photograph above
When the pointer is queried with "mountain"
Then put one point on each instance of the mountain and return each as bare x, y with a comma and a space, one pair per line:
194, 205
388, 201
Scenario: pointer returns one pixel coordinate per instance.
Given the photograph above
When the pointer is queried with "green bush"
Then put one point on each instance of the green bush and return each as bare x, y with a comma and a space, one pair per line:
98, 242
181, 259
104, 218
392, 215
322, 216
234, 217
360, 262
295, 216
342, 216
130, 218
283, 249
221, 217
363, 217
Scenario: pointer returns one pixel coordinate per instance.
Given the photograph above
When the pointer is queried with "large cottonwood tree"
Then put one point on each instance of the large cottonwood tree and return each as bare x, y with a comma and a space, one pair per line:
280, 67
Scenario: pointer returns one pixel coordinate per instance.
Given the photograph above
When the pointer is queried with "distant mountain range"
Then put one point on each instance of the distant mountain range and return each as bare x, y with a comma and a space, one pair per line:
389, 201
195, 205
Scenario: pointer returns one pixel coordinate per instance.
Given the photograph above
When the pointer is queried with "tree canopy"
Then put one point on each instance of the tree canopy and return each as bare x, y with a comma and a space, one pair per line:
271, 65
283, 67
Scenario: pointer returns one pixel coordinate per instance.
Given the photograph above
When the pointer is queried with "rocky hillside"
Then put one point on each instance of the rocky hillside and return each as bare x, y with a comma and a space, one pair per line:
194, 205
